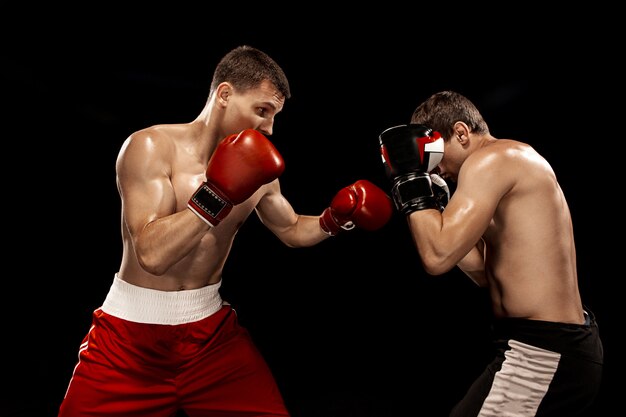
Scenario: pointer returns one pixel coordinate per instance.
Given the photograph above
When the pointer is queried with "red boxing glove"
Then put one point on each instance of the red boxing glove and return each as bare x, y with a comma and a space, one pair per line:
361, 204
238, 167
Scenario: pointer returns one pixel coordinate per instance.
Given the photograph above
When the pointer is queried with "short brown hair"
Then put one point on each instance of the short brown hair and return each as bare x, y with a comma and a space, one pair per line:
443, 109
246, 67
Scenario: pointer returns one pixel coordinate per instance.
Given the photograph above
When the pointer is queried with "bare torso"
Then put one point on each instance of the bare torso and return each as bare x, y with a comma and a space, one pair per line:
530, 257
181, 171
508, 227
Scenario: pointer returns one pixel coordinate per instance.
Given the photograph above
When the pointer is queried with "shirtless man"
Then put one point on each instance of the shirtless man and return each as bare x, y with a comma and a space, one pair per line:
508, 227
164, 340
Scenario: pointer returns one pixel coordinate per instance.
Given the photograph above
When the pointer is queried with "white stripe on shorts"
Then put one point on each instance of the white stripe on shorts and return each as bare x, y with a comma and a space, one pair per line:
522, 382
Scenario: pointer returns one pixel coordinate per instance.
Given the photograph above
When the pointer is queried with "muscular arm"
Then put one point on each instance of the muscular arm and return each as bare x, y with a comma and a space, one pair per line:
473, 264
160, 236
277, 214
449, 238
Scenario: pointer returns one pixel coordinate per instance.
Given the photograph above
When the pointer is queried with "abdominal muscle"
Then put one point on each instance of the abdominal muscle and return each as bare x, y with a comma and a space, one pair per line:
201, 267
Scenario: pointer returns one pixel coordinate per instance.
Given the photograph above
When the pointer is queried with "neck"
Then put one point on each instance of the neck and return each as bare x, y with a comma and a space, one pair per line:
486, 140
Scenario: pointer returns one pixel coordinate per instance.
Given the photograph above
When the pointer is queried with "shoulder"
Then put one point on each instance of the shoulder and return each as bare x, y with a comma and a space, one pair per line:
150, 139
502, 154
501, 164
147, 146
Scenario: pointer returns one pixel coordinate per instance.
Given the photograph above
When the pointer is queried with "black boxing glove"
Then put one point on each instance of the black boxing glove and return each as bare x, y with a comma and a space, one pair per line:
409, 153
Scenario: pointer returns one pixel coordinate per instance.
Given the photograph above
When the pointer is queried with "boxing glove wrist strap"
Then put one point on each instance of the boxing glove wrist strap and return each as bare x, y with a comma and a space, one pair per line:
330, 226
413, 192
209, 204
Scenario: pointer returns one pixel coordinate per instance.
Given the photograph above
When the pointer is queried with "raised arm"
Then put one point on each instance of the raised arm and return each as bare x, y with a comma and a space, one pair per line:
473, 264
160, 235
444, 237
453, 236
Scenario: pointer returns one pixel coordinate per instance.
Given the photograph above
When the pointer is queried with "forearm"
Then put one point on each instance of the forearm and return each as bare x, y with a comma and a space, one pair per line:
473, 264
304, 231
426, 231
307, 232
359, 205
439, 246
164, 242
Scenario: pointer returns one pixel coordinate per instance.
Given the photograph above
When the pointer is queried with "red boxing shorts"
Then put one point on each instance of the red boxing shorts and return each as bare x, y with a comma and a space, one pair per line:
151, 353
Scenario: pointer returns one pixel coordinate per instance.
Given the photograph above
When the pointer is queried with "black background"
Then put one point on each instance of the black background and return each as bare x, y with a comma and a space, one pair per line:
352, 326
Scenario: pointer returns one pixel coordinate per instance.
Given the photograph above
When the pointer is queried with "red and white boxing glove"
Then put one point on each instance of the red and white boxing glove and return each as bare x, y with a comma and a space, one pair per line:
240, 164
361, 204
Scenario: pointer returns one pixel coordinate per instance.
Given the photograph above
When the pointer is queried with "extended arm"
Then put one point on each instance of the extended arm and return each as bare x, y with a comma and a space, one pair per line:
359, 205
294, 230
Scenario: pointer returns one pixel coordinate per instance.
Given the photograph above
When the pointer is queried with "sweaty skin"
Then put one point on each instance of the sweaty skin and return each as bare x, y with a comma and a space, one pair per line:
507, 226
165, 245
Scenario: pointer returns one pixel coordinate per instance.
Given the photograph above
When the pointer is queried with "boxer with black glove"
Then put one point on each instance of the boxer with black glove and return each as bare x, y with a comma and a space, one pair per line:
409, 153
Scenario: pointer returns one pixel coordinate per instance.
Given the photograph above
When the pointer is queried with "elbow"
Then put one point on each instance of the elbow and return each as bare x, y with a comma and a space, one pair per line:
151, 262
434, 265
154, 269
434, 269
290, 243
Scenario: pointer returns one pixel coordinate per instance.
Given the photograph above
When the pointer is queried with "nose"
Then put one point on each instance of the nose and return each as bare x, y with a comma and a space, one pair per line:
267, 128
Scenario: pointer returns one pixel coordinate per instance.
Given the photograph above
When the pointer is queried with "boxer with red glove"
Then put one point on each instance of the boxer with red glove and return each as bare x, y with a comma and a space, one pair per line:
240, 164
361, 204
410, 152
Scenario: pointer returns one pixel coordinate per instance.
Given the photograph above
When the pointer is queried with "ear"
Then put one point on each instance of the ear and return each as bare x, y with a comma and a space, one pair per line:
223, 94
461, 133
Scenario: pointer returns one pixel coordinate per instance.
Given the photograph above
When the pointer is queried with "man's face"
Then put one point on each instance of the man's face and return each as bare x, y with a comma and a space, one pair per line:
255, 108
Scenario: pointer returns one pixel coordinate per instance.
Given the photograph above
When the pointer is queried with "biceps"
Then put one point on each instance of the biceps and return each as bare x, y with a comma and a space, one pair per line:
143, 203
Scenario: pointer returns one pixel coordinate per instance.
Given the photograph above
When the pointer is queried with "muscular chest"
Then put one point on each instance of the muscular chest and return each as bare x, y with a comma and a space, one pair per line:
186, 177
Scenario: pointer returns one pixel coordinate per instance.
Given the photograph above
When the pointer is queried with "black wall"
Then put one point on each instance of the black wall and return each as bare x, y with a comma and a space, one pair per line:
353, 326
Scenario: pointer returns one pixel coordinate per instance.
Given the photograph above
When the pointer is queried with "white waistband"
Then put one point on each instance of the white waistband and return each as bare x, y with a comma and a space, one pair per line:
144, 305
